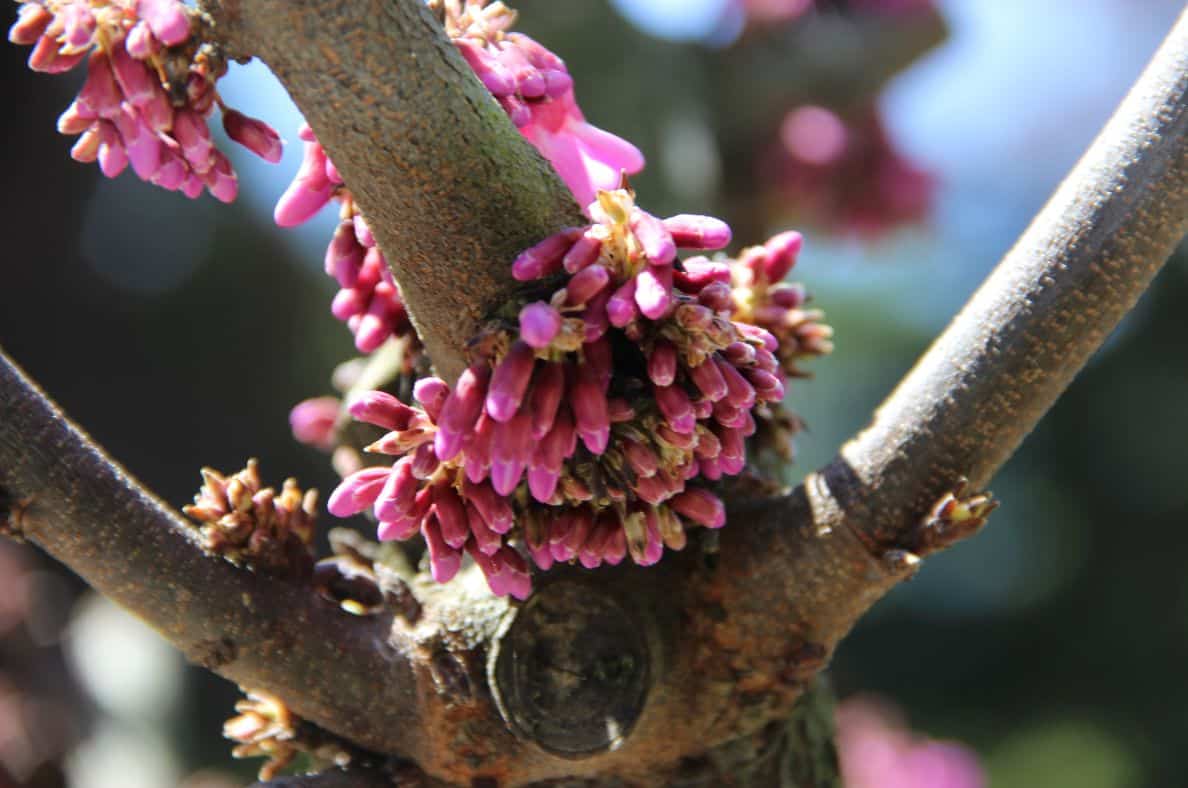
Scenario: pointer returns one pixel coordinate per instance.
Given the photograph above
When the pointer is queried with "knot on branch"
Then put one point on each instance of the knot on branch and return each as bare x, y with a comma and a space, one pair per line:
358, 580
572, 672
12, 513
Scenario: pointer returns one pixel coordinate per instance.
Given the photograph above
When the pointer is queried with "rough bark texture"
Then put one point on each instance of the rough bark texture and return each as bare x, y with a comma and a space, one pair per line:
67, 497
450, 188
729, 633
1051, 302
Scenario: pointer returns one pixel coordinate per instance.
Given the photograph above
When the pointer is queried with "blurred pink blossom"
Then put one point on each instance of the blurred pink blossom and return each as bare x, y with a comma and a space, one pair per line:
877, 750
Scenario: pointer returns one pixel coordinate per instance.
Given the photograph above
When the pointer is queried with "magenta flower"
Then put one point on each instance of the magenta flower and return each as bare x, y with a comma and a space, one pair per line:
313, 421
128, 112
844, 174
535, 89
877, 751
587, 158
588, 432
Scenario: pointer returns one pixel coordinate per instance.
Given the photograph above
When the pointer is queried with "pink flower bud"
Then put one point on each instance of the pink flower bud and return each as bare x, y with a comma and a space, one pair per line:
759, 334
78, 26
510, 382
100, 95
112, 156
545, 257
590, 411
662, 363
709, 380
782, 251
708, 446
451, 516
717, 296
789, 296
740, 354
478, 448
739, 392
133, 76
495, 510
654, 237
399, 529
597, 544
357, 491
653, 291
381, 409
313, 420
140, 42
768, 387
511, 450
255, 135
444, 561
585, 284
542, 483
493, 74
728, 415
32, 21
432, 394
539, 324
424, 461
221, 180
461, 410
547, 390
397, 498
86, 148
558, 444
677, 409
694, 317
76, 120
701, 506
699, 272
308, 193
582, 254
642, 460
621, 309
166, 18
594, 320
485, 540
698, 232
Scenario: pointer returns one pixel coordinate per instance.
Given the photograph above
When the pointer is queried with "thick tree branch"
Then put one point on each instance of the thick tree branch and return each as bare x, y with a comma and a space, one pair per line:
1031, 327
73, 501
450, 188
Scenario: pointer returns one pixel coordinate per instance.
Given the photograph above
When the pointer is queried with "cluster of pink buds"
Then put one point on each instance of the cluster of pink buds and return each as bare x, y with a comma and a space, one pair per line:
368, 300
844, 174
877, 750
150, 86
578, 430
768, 12
535, 89
762, 298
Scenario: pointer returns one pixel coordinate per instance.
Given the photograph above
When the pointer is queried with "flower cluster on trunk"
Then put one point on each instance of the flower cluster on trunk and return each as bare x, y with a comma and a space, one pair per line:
591, 421
149, 90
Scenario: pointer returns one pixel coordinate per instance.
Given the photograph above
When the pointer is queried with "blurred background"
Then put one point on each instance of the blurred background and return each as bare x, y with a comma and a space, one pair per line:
911, 141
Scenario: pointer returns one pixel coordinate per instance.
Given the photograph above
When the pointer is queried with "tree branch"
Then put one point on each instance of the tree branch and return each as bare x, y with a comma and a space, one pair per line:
1035, 322
448, 186
728, 634
78, 505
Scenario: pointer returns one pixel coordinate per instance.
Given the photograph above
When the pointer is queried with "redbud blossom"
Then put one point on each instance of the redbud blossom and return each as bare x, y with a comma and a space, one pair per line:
128, 111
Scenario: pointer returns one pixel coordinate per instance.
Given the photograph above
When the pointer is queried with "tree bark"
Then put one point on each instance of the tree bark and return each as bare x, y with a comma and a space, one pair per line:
728, 634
